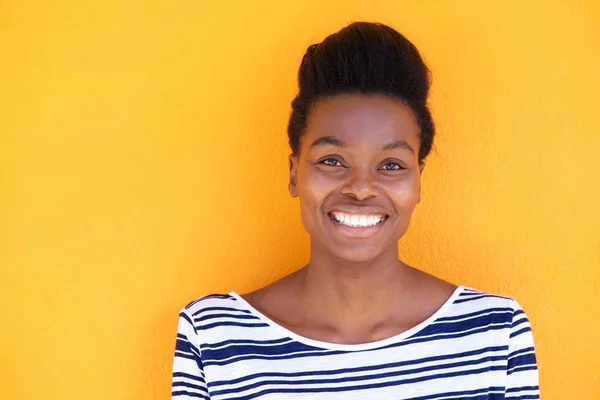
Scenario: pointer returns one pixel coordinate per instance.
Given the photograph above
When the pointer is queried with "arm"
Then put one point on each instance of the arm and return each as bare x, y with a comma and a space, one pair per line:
522, 380
188, 371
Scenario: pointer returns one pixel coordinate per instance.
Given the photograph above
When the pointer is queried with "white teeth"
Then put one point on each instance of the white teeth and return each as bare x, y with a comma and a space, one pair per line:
357, 221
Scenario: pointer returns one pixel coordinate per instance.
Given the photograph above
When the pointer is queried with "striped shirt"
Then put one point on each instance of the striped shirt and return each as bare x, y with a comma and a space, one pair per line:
476, 346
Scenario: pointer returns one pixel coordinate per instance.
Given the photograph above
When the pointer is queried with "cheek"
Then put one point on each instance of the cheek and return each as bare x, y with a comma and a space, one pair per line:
406, 195
314, 186
313, 190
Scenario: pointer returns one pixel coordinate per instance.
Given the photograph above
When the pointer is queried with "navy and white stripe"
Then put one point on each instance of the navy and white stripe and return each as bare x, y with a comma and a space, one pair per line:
476, 346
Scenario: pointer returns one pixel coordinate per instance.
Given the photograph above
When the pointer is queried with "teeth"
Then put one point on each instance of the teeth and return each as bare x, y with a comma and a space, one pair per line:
357, 221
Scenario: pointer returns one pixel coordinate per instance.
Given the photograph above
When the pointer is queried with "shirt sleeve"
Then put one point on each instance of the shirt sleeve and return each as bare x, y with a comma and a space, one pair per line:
522, 376
188, 372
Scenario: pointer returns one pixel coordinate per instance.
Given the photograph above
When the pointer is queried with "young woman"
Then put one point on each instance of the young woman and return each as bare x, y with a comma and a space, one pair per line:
356, 322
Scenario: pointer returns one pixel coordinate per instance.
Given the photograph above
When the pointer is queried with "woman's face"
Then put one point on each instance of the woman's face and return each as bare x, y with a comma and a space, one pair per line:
357, 175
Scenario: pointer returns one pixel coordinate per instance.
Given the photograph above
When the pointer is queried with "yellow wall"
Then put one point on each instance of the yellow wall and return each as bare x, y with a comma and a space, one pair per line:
143, 162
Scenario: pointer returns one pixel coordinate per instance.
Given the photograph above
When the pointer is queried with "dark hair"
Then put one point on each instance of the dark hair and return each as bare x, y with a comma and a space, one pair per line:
363, 58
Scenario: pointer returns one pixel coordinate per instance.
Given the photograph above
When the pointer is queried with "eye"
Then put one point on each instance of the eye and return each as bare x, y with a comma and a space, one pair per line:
391, 166
331, 162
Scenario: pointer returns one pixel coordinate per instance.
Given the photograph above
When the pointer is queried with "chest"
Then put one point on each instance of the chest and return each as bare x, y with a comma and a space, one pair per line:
412, 369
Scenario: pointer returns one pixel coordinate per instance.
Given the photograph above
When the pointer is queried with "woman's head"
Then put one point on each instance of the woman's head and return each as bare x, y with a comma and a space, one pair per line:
359, 131
363, 58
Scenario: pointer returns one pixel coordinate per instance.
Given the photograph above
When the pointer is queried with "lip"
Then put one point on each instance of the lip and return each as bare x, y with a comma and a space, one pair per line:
358, 232
358, 210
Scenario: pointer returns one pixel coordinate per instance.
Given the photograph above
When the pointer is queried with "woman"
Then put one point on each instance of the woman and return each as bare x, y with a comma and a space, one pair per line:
356, 322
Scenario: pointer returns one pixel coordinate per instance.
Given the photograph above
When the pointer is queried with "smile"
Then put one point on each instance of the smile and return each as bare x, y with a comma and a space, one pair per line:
357, 220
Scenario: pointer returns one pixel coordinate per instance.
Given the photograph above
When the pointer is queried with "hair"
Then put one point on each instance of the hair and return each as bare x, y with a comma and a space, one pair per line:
363, 58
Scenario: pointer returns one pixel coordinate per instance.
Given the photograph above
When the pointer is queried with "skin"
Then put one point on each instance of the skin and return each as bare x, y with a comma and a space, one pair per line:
359, 154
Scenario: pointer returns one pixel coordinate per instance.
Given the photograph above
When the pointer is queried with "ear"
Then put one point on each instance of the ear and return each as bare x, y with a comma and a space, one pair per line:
421, 168
293, 175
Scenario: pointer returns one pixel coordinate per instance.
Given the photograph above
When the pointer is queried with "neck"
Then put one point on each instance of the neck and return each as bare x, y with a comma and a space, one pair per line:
353, 296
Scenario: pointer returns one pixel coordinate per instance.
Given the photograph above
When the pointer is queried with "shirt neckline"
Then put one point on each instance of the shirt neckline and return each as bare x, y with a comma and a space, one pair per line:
350, 347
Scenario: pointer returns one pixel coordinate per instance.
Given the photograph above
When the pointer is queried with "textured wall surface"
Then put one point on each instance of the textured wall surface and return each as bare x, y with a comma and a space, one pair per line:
143, 163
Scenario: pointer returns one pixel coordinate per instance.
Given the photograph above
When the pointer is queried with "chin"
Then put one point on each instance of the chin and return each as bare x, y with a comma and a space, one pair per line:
357, 254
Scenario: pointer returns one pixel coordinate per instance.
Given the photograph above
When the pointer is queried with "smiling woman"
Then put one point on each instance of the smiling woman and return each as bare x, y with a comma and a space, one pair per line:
357, 322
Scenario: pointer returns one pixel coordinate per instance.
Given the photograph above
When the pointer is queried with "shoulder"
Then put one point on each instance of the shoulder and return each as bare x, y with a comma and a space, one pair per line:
215, 312
481, 298
493, 316
477, 302
221, 318
211, 302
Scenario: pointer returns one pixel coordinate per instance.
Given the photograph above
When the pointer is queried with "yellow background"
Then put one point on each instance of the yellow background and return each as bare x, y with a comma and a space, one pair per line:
143, 158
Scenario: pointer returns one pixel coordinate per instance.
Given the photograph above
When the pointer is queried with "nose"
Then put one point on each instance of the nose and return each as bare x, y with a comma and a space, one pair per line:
361, 185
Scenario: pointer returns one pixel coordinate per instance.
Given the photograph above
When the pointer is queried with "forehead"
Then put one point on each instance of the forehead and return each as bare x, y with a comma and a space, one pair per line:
368, 119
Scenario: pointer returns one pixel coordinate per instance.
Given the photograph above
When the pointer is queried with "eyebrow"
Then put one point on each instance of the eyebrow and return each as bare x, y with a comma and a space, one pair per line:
332, 140
399, 144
